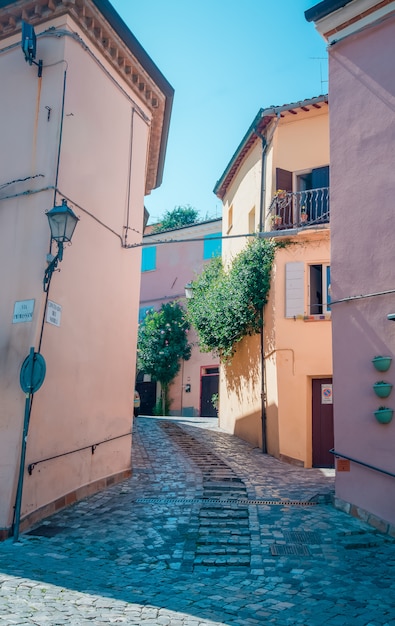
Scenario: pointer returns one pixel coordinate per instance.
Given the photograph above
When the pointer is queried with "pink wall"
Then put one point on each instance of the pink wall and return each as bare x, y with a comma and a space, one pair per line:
87, 395
177, 264
362, 104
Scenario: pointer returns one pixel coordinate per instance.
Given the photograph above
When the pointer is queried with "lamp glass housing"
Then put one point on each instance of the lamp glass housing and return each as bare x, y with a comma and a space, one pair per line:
62, 222
189, 291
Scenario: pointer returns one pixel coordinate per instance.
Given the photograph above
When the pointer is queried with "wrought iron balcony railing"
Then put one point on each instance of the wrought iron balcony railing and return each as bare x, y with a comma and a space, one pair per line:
299, 208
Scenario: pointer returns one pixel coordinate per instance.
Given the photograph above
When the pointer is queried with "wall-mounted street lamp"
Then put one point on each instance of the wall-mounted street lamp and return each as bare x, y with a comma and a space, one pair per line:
189, 291
62, 222
29, 46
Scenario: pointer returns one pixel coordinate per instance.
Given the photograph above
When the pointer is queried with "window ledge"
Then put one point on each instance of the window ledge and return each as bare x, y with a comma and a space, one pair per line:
317, 318
325, 317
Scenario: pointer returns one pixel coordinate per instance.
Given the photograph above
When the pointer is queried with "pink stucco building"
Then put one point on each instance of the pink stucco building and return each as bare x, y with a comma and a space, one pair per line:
361, 38
170, 260
88, 127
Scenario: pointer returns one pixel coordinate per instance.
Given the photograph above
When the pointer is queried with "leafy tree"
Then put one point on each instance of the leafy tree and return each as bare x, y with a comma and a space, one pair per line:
227, 304
162, 344
179, 216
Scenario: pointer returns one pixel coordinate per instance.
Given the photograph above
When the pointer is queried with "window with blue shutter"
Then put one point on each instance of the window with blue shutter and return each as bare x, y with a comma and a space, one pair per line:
328, 284
143, 310
148, 259
212, 247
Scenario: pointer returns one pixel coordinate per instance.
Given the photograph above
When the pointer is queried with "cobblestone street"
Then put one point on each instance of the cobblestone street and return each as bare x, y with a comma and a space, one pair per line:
207, 531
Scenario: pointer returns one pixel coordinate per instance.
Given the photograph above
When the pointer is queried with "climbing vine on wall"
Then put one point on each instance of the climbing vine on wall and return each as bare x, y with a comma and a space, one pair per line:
227, 303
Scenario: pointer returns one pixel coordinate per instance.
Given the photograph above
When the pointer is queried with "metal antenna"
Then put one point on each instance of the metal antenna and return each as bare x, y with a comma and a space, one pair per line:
321, 78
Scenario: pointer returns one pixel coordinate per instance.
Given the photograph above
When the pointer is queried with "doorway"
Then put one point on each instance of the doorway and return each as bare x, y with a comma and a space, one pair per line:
209, 387
147, 391
322, 426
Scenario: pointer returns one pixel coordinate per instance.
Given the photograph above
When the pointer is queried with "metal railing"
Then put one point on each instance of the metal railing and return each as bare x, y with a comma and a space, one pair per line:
299, 208
92, 447
368, 465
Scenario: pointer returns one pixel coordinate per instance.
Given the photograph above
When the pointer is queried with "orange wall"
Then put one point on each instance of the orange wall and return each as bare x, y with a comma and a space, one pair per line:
295, 351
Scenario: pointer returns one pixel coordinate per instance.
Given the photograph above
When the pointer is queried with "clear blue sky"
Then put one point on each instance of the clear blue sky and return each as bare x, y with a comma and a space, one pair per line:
225, 59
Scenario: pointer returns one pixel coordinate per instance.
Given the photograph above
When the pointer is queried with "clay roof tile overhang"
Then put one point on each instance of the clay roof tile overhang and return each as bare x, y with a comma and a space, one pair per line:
257, 129
105, 28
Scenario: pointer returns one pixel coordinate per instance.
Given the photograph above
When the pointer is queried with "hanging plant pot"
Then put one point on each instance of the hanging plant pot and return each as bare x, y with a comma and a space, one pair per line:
383, 415
382, 363
382, 389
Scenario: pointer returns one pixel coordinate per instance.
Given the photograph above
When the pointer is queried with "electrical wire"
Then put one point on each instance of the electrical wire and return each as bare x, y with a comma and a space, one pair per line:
21, 180
94, 218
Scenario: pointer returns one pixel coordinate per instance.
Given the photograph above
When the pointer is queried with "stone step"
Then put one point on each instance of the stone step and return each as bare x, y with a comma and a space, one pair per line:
227, 497
223, 485
229, 523
213, 550
224, 540
222, 560
221, 514
227, 532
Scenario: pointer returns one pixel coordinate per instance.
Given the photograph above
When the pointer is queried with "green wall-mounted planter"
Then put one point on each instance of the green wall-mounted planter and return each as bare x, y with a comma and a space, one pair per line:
382, 389
382, 363
383, 415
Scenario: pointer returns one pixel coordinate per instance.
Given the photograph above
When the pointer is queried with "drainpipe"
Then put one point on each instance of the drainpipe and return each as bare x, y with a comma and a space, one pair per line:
263, 175
262, 338
265, 144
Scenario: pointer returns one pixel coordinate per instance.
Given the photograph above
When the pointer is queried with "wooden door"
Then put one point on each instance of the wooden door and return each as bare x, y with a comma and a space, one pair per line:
147, 393
285, 208
209, 387
323, 439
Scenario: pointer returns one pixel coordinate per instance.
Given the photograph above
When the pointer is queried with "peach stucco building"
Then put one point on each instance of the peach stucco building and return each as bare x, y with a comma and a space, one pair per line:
171, 260
91, 129
286, 148
361, 38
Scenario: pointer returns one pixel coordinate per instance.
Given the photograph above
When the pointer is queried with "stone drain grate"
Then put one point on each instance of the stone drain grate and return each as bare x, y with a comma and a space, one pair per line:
241, 502
302, 536
296, 549
296, 543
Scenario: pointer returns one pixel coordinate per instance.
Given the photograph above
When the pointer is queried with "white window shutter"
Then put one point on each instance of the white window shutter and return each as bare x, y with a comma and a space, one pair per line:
294, 289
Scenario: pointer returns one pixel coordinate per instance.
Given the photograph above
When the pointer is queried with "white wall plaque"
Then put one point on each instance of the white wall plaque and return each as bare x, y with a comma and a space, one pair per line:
23, 311
54, 313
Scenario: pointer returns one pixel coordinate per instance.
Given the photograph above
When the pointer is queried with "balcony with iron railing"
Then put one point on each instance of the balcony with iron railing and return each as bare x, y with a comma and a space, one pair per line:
298, 209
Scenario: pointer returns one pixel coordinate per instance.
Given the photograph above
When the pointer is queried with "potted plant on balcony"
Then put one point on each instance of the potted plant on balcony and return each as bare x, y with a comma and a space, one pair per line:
383, 414
280, 194
382, 389
303, 215
277, 220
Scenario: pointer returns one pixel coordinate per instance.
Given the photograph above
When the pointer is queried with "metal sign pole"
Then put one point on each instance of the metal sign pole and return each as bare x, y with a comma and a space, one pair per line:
31, 378
18, 501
